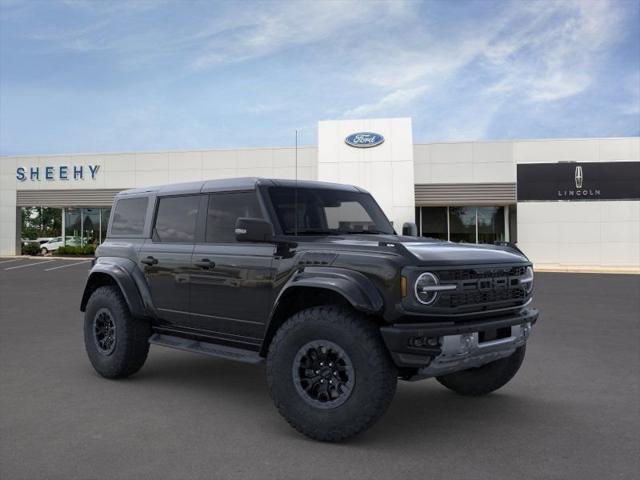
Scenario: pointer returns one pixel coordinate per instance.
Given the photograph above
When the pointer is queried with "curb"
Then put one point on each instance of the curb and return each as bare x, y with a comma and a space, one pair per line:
608, 270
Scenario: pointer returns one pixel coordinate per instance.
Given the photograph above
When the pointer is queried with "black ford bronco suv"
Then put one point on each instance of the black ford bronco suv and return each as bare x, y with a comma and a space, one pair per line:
311, 278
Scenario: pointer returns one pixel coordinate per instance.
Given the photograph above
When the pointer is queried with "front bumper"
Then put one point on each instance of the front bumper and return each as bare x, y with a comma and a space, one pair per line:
435, 349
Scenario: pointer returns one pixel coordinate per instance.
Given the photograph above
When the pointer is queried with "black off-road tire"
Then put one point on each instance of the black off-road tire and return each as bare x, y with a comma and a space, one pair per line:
484, 379
374, 374
128, 352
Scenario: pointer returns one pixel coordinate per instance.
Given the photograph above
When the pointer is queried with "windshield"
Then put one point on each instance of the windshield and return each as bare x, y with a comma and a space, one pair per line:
322, 211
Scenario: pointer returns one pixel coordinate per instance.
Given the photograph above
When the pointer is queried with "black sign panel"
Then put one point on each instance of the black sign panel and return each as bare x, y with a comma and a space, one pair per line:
576, 181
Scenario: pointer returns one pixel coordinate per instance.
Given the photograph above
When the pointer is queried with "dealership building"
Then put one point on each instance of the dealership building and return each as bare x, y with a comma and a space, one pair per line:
567, 203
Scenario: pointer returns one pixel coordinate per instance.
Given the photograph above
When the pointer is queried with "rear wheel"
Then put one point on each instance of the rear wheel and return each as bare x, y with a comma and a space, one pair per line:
329, 373
487, 378
44, 251
116, 343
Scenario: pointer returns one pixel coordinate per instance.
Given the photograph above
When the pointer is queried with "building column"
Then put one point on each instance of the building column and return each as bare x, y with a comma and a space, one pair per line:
64, 229
506, 223
18, 231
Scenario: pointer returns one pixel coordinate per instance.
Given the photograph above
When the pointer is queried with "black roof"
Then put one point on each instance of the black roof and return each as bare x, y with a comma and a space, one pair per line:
230, 184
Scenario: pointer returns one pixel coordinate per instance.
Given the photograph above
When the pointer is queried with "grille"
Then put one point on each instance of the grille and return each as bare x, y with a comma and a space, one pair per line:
475, 274
479, 287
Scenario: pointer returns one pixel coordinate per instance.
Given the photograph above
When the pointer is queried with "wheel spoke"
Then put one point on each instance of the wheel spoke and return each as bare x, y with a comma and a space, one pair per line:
324, 374
104, 331
312, 381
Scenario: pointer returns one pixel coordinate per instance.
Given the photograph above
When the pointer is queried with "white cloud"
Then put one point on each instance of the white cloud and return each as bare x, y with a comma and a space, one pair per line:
551, 54
536, 51
395, 99
276, 26
456, 72
631, 105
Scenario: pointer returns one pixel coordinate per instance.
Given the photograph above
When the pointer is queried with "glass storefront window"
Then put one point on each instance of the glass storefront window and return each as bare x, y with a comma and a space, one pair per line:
465, 224
90, 226
434, 222
104, 223
490, 224
85, 226
40, 222
73, 226
462, 221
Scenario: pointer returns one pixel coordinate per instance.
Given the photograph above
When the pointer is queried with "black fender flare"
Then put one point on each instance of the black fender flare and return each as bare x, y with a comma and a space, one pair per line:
359, 290
129, 278
353, 286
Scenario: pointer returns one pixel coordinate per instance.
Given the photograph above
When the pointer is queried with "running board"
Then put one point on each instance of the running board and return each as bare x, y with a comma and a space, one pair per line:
212, 349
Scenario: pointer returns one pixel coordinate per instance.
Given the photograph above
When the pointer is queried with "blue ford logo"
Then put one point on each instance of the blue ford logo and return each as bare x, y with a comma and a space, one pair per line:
364, 139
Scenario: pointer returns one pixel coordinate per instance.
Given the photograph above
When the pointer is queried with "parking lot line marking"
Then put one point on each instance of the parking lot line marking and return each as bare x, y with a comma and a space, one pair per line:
29, 265
65, 266
9, 261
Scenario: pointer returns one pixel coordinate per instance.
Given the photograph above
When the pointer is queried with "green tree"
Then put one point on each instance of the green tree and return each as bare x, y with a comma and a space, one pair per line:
41, 222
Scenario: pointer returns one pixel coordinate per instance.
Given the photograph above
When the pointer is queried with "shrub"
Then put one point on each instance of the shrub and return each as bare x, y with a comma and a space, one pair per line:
79, 250
31, 249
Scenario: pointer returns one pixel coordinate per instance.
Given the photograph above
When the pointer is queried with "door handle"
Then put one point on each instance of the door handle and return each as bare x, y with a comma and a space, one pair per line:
205, 263
149, 260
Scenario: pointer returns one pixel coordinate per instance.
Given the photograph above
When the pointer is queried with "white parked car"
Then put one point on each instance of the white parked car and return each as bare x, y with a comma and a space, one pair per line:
57, 242
51, 246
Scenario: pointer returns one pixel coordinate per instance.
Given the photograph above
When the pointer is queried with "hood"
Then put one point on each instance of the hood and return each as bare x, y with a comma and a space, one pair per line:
431, 251
459, 254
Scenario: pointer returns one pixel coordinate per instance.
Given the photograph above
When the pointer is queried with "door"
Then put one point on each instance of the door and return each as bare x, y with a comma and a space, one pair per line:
231, 290
165, 259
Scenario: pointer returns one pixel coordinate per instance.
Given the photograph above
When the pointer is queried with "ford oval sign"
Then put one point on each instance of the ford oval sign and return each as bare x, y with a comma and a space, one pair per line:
364, 139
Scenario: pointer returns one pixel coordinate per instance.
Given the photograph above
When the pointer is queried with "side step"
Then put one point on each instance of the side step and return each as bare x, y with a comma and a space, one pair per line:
196, 346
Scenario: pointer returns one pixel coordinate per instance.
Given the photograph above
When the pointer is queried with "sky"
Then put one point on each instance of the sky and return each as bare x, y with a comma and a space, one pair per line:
112, 76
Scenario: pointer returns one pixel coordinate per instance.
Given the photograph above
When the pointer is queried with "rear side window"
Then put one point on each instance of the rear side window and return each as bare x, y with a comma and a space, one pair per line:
224, 209
128, 217
176, 219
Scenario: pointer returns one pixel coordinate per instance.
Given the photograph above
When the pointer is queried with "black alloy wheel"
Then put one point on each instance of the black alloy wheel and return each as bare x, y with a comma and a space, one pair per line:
104, 331
323, 374
329, 372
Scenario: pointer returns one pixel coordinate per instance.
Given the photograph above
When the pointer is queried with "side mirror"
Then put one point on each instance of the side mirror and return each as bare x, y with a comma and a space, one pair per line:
409, 229
253, 230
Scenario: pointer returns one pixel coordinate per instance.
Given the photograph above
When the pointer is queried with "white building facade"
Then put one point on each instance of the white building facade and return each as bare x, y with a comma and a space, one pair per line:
567, 203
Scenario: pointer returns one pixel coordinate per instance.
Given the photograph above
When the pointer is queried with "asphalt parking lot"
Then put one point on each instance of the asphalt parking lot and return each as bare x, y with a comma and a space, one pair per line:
573, 411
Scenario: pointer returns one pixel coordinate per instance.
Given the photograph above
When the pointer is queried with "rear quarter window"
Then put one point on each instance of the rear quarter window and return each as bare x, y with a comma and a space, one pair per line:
128, 216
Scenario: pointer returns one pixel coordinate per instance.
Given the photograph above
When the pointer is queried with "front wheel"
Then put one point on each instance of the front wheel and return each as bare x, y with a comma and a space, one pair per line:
484, 379
329, 373
44, 251
117, 344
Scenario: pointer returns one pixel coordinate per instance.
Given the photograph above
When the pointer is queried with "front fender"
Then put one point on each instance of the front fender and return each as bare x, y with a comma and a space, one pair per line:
129, 279
359, 291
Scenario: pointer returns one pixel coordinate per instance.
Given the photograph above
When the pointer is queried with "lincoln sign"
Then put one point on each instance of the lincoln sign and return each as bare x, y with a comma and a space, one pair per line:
575, 181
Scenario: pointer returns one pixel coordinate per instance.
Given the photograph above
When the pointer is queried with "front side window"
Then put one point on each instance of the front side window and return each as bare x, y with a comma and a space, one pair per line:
223, 212
321, 211
176, 219
128, 217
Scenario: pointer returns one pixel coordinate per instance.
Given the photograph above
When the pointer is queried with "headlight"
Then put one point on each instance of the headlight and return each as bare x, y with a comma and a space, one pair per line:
427, 287
527, 280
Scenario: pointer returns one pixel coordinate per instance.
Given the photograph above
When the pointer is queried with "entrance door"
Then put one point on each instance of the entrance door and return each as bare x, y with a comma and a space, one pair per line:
231, 289
166, 258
